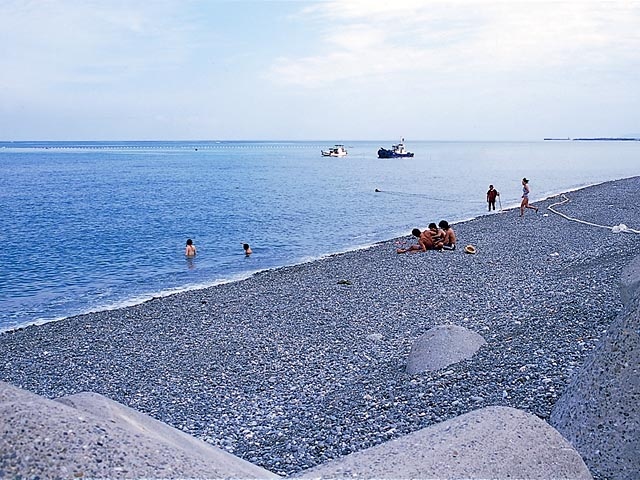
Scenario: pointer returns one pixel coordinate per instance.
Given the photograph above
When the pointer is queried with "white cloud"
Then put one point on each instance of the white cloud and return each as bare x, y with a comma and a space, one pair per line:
187, 68
436, 38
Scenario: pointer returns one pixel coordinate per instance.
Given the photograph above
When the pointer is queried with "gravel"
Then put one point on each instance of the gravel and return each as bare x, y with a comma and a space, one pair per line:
299, 365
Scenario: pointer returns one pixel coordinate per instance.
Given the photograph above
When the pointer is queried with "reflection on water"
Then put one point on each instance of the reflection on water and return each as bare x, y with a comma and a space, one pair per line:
191, 263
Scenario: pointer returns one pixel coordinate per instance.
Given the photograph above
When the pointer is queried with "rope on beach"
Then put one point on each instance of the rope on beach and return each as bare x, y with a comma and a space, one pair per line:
616, 229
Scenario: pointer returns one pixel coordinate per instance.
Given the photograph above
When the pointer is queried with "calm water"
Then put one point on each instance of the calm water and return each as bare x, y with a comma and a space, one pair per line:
94, 225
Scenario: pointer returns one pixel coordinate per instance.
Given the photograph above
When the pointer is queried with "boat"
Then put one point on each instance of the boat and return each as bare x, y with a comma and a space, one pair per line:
396, 151
336, 151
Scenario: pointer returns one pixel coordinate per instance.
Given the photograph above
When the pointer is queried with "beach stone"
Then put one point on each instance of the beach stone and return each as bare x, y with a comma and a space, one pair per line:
88, 435
599, 412
442, 346
492, 442
374, 337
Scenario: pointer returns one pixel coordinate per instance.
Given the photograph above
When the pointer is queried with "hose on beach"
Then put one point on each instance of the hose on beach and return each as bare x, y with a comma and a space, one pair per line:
615, 229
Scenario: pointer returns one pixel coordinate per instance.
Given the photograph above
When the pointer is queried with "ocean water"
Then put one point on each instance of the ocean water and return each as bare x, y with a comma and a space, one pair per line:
86, 226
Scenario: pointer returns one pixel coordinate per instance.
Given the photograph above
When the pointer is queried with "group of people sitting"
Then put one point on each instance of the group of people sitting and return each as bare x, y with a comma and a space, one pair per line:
436, 237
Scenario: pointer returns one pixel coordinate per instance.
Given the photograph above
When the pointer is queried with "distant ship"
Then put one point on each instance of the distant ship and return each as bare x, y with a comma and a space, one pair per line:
396, 151
337, 151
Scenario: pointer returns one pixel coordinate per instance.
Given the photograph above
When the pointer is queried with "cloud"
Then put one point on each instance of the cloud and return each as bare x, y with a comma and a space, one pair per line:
52, 44
204, 63
429, 38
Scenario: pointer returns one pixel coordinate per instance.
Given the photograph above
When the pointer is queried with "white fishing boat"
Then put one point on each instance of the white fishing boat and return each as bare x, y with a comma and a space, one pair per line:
336, 151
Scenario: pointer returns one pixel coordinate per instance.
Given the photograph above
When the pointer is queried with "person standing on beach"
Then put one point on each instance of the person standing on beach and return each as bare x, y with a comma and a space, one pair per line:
525, 197
492, 193
190, 250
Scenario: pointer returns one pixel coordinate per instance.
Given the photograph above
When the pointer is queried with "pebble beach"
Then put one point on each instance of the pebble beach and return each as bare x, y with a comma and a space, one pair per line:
299, 365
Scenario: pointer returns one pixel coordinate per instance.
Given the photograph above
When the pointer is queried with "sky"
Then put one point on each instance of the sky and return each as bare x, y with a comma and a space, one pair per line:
318, 70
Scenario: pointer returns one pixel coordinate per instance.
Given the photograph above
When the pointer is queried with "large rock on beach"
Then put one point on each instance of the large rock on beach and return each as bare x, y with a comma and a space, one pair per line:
493, 442
599, 413
442, 346
88, 435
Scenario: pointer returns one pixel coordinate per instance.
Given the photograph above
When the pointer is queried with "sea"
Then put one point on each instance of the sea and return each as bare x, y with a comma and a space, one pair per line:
88, 226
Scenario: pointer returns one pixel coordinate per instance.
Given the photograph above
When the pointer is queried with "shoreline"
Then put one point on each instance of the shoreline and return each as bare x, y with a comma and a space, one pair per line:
242, 276
290, 367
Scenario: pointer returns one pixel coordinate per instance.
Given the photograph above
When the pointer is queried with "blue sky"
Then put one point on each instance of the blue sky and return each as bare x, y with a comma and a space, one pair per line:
306, 70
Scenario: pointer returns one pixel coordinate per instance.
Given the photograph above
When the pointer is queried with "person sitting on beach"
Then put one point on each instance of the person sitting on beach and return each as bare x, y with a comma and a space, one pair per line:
437, 234
190, 251
247, 249
425, 242
449, 240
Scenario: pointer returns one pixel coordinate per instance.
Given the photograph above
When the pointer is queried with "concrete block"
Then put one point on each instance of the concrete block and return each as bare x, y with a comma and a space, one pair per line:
599, 411
630, 284
88, 435
493, 442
